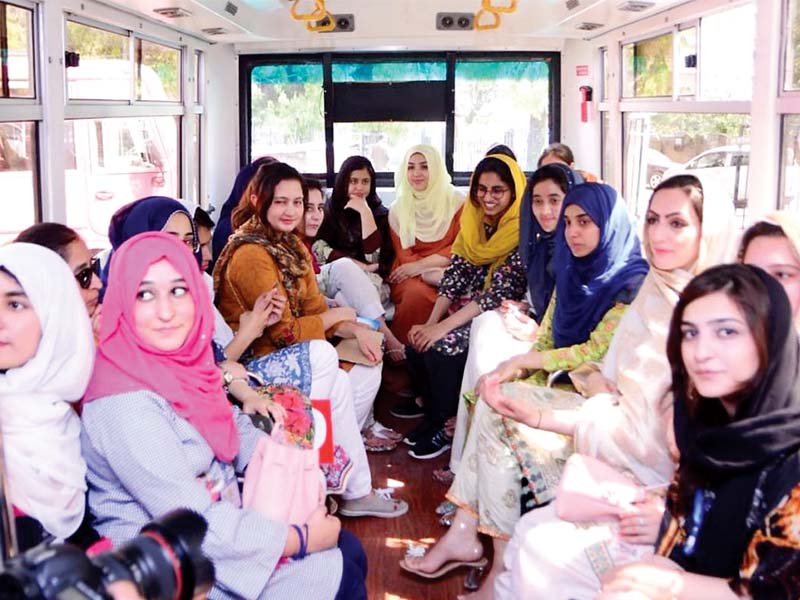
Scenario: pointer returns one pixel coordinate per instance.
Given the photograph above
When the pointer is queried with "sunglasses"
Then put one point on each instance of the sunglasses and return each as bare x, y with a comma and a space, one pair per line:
84, 276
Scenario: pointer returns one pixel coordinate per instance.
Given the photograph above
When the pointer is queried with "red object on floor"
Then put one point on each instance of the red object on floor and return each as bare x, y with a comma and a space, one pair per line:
326, 450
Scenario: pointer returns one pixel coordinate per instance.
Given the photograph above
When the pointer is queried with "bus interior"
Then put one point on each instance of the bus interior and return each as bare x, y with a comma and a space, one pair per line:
104, 102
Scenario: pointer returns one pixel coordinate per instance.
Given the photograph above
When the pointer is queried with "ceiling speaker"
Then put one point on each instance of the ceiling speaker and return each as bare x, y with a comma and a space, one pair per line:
455, 21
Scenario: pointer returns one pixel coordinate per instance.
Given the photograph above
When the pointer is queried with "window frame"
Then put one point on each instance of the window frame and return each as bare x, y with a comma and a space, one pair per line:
35, 81
30, 110
248, 62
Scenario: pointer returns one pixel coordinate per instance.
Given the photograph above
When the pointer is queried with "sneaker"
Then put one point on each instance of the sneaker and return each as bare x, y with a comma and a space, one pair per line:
421, 432
437, 445
407, 410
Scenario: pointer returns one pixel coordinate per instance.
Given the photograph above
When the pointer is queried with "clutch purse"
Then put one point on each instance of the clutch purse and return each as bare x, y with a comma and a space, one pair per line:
593, 490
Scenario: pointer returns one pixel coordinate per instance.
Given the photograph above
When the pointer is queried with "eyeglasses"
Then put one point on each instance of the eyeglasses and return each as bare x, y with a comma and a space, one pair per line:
495, 192
84, 276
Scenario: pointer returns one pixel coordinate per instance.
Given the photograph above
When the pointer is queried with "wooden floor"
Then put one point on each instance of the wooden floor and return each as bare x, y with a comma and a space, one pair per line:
385, 540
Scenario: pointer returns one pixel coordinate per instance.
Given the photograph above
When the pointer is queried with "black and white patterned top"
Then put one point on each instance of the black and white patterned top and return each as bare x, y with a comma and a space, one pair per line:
463, 282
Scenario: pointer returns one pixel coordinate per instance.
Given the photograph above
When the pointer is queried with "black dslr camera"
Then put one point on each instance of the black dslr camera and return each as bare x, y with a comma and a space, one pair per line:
164, 562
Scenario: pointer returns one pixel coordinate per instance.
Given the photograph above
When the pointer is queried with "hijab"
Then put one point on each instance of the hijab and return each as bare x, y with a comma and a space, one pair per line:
187, 377
224, 228
631, 430
41, 431
472, 243
748, 463
427, 215
767, 422
145, 214
587, 287
536, 245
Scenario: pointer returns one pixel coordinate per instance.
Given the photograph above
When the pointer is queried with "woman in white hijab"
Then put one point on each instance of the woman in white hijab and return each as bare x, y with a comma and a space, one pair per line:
46, 359
423, 221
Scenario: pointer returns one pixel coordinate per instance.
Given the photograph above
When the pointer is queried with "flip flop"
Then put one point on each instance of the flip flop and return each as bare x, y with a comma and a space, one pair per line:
379, 430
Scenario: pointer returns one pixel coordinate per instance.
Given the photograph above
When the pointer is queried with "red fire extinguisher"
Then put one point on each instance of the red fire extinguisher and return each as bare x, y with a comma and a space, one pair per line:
586, 102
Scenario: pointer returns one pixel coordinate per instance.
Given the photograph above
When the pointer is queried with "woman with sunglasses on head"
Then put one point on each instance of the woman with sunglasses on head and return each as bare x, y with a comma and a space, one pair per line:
70, 246
731, 525
186, 442
561, 153
46, 358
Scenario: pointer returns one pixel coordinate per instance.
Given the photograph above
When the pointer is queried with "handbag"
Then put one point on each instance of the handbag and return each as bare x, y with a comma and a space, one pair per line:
283, 482
590, 490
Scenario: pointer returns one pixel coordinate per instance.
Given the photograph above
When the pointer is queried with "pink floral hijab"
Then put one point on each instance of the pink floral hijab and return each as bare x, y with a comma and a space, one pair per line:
187, 377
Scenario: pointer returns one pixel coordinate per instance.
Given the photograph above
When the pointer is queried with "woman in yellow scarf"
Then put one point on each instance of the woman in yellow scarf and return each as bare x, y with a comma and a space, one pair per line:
485, 269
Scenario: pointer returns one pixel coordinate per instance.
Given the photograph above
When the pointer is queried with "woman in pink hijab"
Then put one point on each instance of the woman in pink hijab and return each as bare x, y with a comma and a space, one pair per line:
159, 434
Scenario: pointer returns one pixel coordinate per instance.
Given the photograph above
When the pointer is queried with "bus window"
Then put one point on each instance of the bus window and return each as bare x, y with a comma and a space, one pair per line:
17, 177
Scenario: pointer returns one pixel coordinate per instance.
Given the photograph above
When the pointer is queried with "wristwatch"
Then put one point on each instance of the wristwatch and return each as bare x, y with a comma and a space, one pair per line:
228, 378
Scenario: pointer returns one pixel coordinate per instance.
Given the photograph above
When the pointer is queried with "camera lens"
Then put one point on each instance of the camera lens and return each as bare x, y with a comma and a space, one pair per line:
165, 561
447, 22
463, 22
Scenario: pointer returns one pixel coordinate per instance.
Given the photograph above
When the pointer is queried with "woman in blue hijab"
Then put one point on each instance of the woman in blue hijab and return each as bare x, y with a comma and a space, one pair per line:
154, 213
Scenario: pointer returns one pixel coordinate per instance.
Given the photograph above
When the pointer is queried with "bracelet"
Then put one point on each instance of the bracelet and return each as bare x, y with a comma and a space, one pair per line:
301, 553
539, 420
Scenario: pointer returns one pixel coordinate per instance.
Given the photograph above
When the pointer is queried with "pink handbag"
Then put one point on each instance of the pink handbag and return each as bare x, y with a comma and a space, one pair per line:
284, 483
592, 490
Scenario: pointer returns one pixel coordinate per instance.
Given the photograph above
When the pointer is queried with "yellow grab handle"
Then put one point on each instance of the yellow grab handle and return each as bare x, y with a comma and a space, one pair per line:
479, 26
318, 13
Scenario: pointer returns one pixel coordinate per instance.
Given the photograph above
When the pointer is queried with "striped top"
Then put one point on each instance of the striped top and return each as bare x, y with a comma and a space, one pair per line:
144, 461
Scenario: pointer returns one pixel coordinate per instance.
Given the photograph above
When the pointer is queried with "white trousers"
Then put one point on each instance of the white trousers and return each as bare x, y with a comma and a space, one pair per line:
365, 382
348, 284
552, 559
329, 381
489, 345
